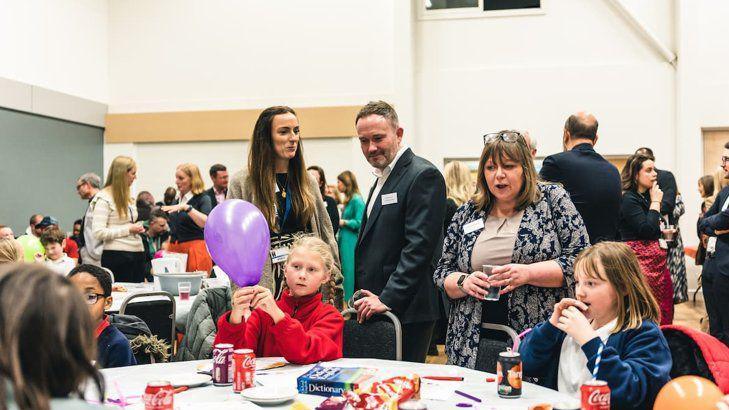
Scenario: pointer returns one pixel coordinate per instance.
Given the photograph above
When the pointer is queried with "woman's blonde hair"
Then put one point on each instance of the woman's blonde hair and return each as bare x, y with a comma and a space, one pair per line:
116, 182
317, 246
617, 264
459, 183
10, 250
262, 173
500, 151
350, 185
197, 186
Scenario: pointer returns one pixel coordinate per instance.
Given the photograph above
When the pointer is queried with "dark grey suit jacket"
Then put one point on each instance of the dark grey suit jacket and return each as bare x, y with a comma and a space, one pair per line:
399, 244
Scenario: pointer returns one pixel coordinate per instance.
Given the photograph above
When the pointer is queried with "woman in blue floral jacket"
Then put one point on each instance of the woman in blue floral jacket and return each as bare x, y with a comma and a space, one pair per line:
529, 232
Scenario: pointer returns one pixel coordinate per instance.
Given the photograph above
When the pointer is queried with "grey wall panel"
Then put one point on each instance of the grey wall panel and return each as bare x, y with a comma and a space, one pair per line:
40, 159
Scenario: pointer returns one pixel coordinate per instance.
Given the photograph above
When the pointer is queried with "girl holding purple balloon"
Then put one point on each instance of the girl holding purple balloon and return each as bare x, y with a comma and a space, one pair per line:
277, 183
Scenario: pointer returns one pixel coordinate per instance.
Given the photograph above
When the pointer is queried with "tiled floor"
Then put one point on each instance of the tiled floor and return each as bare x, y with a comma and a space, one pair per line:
686, 314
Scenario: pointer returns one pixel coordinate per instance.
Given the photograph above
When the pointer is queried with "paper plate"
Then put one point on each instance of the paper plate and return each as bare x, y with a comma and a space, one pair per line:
190, 380
269, 395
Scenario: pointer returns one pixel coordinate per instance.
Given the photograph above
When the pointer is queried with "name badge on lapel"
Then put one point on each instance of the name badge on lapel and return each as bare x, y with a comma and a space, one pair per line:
279, 255
388, 199
473, 226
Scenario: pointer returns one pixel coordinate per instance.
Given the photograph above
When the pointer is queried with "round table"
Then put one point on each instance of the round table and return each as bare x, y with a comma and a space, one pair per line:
130, 382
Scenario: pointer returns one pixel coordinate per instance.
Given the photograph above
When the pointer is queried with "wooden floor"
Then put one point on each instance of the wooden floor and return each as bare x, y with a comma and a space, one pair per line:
687, 314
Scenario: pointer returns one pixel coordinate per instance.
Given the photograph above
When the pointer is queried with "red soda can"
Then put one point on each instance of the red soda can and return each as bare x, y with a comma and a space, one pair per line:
244, 369
159, 395
223, 364
595, 395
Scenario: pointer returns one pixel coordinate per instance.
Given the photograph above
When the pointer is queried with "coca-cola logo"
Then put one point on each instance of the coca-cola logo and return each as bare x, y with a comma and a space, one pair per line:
249, 362
220, 358
161, 398
596, 397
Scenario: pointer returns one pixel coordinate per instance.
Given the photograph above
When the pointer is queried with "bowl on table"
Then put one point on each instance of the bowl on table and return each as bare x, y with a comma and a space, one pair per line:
168, 282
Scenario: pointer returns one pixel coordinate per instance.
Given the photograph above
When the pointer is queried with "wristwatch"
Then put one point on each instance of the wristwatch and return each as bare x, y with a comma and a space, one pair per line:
189, 208
460, 281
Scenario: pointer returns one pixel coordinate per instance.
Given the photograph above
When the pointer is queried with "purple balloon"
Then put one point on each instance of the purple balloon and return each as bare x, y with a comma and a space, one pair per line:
238, 239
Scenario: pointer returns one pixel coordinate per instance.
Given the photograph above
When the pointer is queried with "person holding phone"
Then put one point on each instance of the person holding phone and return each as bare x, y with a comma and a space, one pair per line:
516, 234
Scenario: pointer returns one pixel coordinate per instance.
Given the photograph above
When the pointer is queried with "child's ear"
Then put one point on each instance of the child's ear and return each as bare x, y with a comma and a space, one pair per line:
326, 277
108, 302
63, 244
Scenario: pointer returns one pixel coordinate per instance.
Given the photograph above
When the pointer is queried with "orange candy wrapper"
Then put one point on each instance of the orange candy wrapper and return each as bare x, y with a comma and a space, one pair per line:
386, 394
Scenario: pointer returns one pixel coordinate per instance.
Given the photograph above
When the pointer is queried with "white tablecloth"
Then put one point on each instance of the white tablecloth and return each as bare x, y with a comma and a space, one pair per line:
131, 381
182, 307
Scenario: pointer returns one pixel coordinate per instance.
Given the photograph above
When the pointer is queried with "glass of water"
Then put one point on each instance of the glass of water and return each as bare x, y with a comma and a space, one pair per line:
493, 291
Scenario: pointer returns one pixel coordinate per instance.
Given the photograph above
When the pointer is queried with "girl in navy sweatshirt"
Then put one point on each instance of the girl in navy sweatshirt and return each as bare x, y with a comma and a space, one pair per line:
614, 308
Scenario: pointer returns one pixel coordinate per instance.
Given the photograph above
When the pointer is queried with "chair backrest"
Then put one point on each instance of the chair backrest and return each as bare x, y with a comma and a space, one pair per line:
159, 315
489, 349
378, 338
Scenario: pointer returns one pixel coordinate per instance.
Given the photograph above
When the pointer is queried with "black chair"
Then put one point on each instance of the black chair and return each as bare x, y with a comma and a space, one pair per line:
159, 315
378, 338
489, 349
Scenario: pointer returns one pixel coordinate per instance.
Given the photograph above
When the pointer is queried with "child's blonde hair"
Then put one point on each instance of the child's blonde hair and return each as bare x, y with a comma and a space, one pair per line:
10, 250
616, 263
317, 246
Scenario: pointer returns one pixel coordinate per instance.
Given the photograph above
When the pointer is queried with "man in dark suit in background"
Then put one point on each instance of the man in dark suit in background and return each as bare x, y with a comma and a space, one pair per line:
715, 276
401, 237
592, 182
219, 176
667, 183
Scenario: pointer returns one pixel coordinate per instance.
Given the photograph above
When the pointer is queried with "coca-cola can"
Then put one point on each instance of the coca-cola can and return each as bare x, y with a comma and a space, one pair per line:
508, 375
595, 395
159, 395
223, 364
244, 369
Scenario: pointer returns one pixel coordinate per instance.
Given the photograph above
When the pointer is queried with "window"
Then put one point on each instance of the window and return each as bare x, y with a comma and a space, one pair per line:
448, 9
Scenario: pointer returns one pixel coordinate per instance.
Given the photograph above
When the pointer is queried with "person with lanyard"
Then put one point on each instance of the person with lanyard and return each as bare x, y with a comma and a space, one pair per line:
114, 223
188, 217
276, 181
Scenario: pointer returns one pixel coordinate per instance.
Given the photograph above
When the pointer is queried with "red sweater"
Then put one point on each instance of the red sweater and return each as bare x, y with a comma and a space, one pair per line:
310, 331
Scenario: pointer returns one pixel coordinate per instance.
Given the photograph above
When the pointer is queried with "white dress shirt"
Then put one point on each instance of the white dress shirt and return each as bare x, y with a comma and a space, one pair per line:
382, 178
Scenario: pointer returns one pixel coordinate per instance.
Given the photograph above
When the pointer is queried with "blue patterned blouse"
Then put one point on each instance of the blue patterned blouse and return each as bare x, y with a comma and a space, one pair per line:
550, 229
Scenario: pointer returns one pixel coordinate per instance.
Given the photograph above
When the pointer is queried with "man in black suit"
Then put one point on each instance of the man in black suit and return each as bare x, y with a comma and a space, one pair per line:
667, 183
592, 182
715, 276
219, 176
401, 237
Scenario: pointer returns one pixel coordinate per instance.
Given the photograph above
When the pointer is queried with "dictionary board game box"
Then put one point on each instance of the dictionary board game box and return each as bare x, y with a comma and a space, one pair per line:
333, 381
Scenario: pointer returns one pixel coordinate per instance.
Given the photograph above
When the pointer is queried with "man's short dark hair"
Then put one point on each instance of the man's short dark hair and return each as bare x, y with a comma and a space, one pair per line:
647, 152
158, 213
581, 129
215, 168
726, 146
101, 275
33, 218
78, 222
380, 108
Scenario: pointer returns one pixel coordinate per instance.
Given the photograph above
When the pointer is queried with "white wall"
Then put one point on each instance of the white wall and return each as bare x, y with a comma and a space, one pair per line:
59, 45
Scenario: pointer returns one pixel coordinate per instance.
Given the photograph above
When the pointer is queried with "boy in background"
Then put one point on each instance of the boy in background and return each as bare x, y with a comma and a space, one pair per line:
56, 259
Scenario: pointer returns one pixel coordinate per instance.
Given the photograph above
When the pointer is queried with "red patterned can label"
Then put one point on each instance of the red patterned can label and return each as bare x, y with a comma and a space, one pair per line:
595, 395
244, 363
158, 395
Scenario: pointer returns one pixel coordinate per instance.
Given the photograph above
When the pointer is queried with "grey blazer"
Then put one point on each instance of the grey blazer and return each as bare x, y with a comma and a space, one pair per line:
240, 187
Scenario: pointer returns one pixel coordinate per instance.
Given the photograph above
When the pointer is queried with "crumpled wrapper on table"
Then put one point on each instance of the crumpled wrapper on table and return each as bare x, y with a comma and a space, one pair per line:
382, 395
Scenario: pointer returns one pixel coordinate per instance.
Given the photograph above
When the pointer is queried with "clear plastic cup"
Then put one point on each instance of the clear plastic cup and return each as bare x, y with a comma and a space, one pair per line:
183, 289
493, 293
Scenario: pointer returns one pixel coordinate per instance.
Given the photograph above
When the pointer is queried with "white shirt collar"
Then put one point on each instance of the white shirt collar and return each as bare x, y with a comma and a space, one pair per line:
186, 198
386, 171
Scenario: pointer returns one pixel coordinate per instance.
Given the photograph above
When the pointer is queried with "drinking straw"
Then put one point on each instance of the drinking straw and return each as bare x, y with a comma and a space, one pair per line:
468, 396
445, 378
521, 336
597, 361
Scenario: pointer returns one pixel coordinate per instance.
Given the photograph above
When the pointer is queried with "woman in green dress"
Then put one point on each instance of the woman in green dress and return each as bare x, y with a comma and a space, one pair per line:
349, 224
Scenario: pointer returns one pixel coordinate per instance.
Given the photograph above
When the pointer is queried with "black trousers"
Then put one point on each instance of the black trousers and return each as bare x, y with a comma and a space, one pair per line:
716, 294
126, 266
416, 340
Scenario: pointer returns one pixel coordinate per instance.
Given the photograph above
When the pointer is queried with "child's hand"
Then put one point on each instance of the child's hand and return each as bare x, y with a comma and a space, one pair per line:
574, 323
264, 300
241, 304
39, 257
562, 305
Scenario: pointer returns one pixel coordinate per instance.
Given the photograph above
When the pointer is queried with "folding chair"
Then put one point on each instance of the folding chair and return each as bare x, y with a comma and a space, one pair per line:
380, 337
159, 315
489, 349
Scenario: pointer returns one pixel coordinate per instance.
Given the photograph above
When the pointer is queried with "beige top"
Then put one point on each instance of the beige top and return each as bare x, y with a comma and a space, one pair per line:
113, 229
495, 243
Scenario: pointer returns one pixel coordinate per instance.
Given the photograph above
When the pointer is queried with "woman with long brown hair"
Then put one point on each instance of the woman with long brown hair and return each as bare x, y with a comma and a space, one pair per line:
277, 183
188, 217
351, 221
639, 226
115, 223
46, 341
